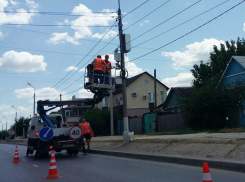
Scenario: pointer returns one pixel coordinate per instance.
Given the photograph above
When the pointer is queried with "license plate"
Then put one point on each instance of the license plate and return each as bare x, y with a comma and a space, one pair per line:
68, 145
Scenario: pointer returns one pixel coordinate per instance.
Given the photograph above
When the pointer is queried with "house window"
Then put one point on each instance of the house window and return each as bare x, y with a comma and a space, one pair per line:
68, 113
150, 97
105, 101
162, 96
76, 112
145, 82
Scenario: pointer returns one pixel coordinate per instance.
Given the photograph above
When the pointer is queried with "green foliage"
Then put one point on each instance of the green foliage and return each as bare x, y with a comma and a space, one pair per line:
208, 107
100, 121
20, 124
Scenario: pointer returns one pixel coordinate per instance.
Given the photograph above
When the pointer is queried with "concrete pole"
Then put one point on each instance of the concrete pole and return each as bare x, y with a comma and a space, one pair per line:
123, 75
23, 128
111, 113
155, 99
34, 103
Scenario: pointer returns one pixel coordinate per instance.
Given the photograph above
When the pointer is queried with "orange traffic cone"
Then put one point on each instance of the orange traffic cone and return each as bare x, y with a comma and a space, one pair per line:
206, 173
52, 168
16, 156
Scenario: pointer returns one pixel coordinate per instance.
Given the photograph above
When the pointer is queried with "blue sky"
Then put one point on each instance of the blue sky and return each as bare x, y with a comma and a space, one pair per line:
43, 41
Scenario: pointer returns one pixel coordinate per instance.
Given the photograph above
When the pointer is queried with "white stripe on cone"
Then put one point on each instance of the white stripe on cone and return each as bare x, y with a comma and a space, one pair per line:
52, 160
207, 177
52, 167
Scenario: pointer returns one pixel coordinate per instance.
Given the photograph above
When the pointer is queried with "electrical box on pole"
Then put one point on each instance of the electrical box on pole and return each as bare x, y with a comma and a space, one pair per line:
126, 43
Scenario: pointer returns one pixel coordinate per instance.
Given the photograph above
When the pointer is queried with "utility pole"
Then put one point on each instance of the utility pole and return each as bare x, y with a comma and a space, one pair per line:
123, 75
111, 113
155, 99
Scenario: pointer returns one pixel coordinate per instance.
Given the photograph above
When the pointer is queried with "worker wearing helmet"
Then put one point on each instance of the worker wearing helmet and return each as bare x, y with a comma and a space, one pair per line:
98, 69
107, 69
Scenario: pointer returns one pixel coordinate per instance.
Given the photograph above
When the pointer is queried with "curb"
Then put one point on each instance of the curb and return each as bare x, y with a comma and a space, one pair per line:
231, 166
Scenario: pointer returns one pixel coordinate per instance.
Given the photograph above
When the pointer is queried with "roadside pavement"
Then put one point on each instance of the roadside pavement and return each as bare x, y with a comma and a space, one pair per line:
221, 150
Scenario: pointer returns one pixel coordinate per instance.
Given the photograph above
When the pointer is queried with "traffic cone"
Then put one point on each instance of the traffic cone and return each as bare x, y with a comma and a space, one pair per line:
52, 168
16, 156
206, 173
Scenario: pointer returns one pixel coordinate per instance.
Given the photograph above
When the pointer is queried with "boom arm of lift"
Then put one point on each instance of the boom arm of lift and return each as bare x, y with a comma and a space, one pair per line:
42, 112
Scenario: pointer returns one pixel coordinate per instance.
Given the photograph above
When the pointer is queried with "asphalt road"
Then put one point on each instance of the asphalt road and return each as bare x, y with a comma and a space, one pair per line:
97, 168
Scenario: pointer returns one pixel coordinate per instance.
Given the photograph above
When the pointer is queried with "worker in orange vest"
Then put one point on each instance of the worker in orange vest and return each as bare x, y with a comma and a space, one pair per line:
107, 69
98, 69
86, 130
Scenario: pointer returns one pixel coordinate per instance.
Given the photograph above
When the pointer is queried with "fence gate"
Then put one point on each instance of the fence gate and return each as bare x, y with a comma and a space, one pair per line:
148, 122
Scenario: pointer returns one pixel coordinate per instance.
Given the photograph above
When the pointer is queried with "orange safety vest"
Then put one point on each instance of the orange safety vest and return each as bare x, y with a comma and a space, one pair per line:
106, 66
97, 64
85, 128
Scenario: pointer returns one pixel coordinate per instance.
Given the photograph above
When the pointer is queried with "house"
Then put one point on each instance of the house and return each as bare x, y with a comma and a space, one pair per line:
233, 75
74, 113
169, 113
174, 98
140, 94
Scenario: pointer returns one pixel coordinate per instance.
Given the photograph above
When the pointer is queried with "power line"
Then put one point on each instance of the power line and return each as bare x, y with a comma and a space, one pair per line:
180, 24
146, 15
56, 13
83, 58
135, 8
54, 52
43, 25
166, 20
188, 32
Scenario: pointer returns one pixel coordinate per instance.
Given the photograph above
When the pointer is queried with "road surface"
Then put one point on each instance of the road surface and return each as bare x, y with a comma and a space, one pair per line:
98, 168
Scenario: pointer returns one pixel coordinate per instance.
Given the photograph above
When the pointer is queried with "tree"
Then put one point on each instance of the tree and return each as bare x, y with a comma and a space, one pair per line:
211, 102
20, 124
100, 121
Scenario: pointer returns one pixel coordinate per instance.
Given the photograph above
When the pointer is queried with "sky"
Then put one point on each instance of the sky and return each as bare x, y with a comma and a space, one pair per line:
49, 43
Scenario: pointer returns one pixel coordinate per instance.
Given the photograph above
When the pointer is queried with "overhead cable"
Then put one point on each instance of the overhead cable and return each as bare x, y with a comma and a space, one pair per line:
188, 32
147, 15
179, 24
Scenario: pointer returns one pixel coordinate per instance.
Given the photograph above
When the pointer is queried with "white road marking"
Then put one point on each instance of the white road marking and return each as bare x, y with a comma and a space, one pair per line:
35, 165
23, 159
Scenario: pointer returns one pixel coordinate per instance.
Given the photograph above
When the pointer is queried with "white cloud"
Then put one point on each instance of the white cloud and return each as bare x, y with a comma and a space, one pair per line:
141, 24
82, 70
147, 21
4, 107
82, 25
62, 38
15, 18
32, 4
71, 68
181, 80
244, 27
22, 62
1, 35
46, 93
194, 54
108, 35
83, 93
14, 3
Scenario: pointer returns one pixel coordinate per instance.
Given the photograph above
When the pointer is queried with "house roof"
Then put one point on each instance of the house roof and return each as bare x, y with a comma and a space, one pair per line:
132, 79
239, 59
183, 93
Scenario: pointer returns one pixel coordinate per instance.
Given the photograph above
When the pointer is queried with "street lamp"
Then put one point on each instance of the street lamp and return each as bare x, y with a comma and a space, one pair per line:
6, 127
2, 131
15, 122
34, 98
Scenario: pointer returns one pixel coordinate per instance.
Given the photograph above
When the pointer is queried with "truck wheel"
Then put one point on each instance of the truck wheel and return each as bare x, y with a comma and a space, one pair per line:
69, 151
75, 152
38, 155
27, 152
